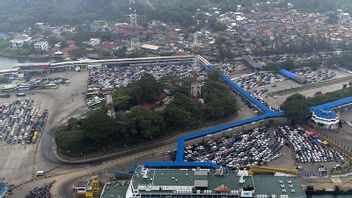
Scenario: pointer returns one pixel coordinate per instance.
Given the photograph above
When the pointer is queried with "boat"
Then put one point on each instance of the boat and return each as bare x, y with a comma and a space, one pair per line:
221, 189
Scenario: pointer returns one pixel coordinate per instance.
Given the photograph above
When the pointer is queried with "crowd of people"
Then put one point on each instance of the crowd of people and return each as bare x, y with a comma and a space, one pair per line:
41, 191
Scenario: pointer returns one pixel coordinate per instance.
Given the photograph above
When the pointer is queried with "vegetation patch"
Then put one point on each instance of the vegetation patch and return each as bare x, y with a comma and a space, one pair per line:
296, 106
147, 109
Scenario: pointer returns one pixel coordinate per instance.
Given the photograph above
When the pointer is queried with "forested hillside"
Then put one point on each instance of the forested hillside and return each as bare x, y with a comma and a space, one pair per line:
17, 15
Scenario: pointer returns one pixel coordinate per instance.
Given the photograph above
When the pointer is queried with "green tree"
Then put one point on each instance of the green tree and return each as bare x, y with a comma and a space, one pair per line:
70, 141
147, 89
177, 118
99, 127
52, 39
296, 108
143, 123
63, 44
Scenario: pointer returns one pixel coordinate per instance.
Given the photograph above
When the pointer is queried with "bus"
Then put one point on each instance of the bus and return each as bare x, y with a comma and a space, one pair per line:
8, 88
51, 86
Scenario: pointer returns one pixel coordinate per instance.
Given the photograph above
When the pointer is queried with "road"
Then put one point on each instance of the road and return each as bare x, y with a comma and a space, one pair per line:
62, 104
65, 180
67, 174
18, 162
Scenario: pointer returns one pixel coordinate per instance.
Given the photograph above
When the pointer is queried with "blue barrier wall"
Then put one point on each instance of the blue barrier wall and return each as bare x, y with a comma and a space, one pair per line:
241, 91
331, 105
268, 113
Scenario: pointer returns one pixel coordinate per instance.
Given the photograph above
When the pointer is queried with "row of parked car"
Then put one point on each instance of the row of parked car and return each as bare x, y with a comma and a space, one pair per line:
316, 75
17, 120
107, 78
254, 147
256, 80
307, 145
229, 69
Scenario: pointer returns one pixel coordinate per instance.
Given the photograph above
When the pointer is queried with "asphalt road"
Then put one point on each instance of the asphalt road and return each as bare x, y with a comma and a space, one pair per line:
63, 104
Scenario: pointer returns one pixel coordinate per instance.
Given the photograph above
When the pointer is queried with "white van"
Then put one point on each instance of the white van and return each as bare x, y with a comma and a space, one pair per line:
40, 173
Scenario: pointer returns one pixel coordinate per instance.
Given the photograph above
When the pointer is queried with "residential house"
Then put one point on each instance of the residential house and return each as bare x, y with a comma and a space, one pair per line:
94, 42
20, 40
41, 45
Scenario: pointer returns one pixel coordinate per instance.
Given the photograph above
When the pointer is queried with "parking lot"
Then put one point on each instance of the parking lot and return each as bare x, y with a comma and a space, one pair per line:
21, 86
307, 146
316, 75
16, 160
233, 69
258, 80
17, 121
254, 147
102, 80
265, 145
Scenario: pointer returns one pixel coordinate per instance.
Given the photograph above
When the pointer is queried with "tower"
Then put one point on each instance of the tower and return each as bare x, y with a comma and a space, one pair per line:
134, 39
196, 86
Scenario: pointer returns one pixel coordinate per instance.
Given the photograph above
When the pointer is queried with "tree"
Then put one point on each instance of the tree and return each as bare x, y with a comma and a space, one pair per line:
147, 89
143, 123
177, 118
99, 127
77, 53
70, 141
63, 44
121, 52
296, 108
3, 80
52, 39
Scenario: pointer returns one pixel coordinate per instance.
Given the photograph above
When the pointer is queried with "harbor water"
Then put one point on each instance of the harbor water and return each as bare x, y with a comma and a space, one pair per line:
331, 196
7, 63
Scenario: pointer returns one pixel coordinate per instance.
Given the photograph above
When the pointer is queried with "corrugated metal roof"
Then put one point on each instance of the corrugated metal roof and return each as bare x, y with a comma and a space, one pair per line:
288, 74
331, 105
325, 114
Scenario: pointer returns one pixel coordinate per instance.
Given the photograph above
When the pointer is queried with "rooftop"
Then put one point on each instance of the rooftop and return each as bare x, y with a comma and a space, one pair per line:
168, 181
184, 177
117, 190
325, 114
331, 105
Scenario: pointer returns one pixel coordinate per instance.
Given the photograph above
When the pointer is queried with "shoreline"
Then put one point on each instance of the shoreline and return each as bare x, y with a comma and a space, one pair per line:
34, 58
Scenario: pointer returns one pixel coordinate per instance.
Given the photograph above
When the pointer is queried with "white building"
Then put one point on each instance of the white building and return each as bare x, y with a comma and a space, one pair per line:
326, 119
41, 45
94, 42
20, 40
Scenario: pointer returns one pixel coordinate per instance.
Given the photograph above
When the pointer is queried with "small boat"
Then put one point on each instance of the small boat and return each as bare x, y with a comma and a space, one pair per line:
221, 189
